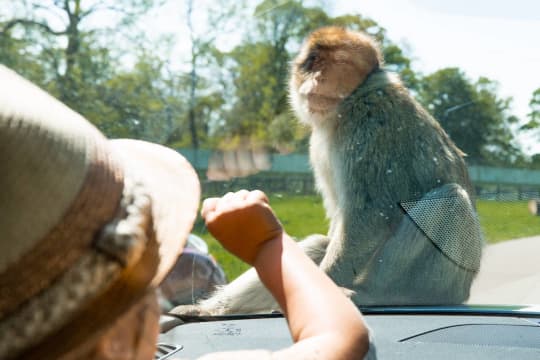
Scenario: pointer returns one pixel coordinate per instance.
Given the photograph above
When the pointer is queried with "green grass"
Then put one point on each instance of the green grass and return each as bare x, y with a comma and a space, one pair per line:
304, 215
506, 220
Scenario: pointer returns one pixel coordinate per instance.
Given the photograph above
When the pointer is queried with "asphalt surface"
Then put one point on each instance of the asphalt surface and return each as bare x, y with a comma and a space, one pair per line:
509, 273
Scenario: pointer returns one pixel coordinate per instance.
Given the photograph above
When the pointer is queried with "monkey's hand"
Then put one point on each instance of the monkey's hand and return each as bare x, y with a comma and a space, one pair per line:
242, 222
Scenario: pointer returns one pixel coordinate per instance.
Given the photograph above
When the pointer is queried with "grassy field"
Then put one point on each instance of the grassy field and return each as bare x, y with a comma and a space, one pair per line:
506, 220
304, 215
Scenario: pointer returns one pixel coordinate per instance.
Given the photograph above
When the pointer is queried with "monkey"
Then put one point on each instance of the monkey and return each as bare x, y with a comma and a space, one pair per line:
403, 228
373, 148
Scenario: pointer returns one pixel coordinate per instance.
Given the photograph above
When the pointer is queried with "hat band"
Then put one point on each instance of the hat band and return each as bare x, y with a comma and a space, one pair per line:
95, 205
119, 247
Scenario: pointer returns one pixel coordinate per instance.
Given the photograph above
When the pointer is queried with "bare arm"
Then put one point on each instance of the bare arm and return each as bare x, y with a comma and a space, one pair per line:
318, 313
324, 324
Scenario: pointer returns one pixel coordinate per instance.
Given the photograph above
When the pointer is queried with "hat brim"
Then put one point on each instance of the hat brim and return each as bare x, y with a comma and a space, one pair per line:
174, 190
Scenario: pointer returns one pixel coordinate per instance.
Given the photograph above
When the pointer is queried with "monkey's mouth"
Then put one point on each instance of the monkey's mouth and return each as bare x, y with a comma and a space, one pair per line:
322, 103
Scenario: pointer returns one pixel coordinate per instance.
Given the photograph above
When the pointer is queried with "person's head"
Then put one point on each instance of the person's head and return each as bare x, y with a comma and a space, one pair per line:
89, 229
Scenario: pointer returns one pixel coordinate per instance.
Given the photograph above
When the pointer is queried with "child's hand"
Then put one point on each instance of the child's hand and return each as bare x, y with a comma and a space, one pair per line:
242, 222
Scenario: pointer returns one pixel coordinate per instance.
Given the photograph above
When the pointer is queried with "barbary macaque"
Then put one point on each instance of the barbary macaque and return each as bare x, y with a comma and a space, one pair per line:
403, 225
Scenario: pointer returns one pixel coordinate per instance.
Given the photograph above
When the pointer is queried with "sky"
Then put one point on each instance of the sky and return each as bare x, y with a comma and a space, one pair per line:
498, 39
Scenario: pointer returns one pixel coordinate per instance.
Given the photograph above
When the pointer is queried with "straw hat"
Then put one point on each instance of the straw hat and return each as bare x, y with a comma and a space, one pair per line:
87, 225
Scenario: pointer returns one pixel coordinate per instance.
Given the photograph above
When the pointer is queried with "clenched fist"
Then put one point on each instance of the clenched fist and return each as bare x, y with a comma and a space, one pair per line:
242, 222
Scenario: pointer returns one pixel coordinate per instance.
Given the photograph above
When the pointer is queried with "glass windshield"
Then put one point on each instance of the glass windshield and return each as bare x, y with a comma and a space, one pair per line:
405, 132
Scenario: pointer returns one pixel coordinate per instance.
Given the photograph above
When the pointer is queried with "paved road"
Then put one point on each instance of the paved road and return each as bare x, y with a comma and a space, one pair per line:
509, 273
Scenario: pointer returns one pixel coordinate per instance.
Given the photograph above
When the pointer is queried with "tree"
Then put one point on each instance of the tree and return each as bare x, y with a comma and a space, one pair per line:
534, 115
203, 55
534, 162
58, 35
260, 69
533, 125
138, 102
15, 54
472, 114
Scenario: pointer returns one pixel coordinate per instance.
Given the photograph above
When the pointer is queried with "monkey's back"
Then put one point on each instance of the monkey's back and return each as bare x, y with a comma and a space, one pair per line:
393, 150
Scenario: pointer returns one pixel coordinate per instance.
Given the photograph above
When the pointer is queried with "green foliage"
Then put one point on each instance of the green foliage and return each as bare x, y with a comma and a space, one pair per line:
14, 54
69, 58
505, 220
135, 103
535, 106
472, 114
534, 115
534, 162
396, 61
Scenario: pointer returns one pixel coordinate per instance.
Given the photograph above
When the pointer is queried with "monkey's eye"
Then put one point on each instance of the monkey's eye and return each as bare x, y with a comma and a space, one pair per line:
307, 65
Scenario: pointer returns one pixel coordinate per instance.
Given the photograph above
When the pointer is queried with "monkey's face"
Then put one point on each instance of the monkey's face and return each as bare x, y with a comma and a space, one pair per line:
332, 63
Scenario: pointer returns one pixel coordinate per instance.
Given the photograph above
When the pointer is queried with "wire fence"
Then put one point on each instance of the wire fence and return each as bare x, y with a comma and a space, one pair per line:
304, 184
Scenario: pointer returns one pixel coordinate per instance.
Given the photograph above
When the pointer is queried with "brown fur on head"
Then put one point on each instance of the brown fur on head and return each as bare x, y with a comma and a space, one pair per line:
331, 64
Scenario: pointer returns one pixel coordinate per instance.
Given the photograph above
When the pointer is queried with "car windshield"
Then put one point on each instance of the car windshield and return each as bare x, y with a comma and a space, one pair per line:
336, 127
